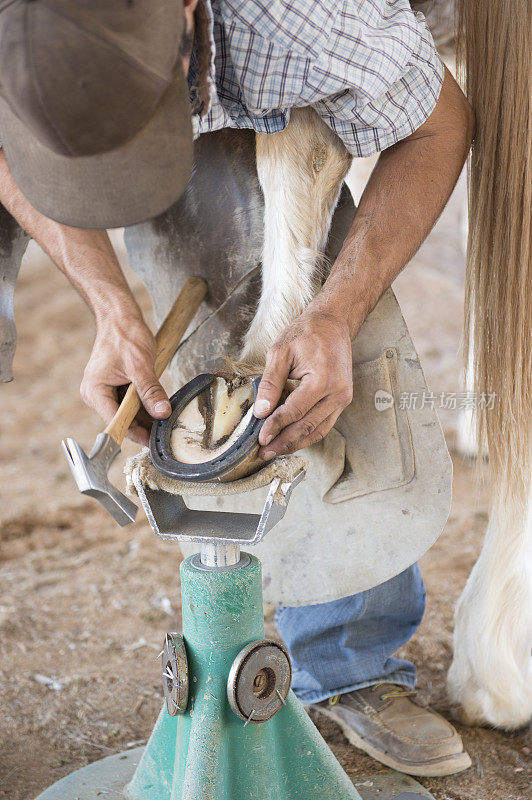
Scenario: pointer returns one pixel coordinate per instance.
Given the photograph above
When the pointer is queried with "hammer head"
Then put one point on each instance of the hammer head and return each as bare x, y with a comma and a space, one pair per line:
90, 474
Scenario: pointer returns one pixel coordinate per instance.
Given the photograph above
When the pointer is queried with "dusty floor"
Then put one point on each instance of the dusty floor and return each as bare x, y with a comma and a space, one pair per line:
84, 604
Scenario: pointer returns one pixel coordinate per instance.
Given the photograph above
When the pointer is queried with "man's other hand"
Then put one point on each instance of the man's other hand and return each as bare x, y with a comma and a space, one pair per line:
124, 352
316, 349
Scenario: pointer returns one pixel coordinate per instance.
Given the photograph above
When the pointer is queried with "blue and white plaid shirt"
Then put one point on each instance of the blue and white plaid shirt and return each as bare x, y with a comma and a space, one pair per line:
368, 67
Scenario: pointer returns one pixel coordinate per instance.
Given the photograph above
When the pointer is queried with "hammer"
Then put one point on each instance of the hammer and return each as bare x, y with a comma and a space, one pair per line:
90, 472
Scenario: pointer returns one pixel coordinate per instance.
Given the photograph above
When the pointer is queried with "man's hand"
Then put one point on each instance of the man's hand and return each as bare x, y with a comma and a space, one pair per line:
124, 352
316, 349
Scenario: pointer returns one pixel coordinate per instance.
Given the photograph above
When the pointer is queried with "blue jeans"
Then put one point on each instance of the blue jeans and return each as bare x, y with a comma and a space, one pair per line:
349, 643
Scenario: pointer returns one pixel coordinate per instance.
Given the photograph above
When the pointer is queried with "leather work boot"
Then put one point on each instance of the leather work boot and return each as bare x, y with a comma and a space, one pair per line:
385, 722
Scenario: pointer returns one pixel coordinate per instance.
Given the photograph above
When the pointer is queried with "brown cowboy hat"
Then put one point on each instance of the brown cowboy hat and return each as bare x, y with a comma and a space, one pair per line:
95, 118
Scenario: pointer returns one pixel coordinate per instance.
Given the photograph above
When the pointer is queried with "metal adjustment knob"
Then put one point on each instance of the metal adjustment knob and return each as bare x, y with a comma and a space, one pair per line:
259, 680
175, 674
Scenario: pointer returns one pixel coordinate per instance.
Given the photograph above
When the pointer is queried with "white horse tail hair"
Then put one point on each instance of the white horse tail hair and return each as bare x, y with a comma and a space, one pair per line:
494, 48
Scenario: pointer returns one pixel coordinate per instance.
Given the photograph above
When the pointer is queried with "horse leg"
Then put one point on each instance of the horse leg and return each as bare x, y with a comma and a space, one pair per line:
13, 243
301, 170
490, 680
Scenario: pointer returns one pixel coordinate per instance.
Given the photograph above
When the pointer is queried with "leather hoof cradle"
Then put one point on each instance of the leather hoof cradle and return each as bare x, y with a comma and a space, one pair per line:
202, 442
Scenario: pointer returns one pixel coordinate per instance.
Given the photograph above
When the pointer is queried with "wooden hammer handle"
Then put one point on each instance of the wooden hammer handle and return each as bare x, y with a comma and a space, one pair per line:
168, 337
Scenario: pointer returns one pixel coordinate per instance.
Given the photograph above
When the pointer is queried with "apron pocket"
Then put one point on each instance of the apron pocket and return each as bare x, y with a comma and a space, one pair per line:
378, 443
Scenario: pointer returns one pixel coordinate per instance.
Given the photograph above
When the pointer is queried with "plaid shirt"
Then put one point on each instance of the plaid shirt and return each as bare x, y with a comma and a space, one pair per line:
368, 67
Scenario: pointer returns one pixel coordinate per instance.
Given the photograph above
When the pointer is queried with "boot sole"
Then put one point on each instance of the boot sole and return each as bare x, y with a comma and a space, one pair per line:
448, 765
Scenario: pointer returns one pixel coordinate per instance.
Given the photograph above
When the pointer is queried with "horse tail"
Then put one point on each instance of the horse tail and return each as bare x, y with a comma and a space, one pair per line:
494, 48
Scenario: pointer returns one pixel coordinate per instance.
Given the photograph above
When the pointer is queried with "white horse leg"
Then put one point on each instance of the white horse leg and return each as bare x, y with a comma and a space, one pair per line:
13, 243
490, 680
466, 439
301, 170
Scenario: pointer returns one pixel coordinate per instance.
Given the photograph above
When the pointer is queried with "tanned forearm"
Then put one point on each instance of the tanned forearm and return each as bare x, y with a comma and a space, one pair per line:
85, 256
405, 195
124, 348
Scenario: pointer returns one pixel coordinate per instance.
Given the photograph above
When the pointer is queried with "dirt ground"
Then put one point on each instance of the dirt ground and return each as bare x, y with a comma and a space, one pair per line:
84, 604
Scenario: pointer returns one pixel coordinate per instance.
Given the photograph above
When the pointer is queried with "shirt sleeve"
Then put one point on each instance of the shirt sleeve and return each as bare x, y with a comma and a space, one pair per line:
369, 124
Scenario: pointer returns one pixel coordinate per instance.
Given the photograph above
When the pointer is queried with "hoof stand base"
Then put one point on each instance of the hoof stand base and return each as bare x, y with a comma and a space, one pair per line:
208, 752
108, 778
